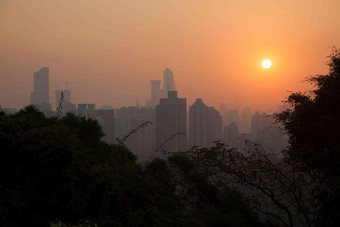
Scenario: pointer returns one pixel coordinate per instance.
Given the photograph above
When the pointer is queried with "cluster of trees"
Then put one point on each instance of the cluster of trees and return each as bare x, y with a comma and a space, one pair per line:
313, 126
301, 185
57, 171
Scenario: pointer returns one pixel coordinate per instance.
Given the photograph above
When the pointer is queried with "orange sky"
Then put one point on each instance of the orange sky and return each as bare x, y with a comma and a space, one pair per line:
109, 49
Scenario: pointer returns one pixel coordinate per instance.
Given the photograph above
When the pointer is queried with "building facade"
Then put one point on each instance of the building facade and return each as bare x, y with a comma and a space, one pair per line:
40, 97
106, 119
65, 104
171, 123
205, 124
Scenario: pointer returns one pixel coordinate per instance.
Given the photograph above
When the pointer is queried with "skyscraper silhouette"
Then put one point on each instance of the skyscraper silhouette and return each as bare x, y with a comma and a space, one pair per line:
205, 124
168, 81
170, 120
106, 120
245, 122
142, 142
40, 97
66, 104
86, 110
155, 92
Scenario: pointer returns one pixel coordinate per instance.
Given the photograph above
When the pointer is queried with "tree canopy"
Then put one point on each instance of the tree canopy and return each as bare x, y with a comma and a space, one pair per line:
57, 170
313, 123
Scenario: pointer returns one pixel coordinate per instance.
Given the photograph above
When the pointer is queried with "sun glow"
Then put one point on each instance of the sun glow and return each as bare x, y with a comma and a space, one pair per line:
266, 63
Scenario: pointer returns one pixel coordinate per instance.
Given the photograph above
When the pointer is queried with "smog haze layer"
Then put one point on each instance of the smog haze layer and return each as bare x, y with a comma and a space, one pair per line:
108, 51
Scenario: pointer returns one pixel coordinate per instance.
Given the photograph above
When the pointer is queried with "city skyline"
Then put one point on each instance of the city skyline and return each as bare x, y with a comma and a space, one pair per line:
214, 48
197, 124
169, 113
51, 94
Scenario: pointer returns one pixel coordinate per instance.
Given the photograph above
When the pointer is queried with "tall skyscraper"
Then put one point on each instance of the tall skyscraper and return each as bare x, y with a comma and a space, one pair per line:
168, 81
231, 115
205, 124
170, 120
215, 125
141, 143
259, 122
66, 96
230, 134
245, 123
198, 124
66, 104
106, 120
86, 110
155, 92
40, 97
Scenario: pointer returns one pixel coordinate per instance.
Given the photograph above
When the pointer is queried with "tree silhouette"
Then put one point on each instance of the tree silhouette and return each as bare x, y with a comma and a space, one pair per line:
313, 125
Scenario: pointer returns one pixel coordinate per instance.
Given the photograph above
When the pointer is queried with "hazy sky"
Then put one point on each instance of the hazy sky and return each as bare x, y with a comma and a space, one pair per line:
108, 50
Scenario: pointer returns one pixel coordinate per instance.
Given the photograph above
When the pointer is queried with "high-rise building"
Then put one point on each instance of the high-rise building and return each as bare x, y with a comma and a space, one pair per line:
86, 110
245, 123
168, 81
155, 92
205, 124
259, 122
40, 97
66, 96
231, 115
142, 142
170, 122
268, 133
158, 93
230, 133
65, 103
198, 124
215, 125
106, 118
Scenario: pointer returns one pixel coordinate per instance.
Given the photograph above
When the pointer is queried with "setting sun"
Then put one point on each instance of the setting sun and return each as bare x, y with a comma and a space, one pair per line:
266, 63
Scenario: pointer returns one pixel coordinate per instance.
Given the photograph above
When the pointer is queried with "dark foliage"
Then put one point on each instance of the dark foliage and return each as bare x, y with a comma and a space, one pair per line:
313, 123
313, 126
58, 169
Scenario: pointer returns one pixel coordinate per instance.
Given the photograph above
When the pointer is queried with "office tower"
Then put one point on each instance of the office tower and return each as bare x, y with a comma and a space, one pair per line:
205, 124
171, 120
198, 124
233, 139
66, 96
66, 105
168, 81
245, 123
106, 118
231, 115
155, 92
86, 110
230, 133
91, 110
215, 125
259, 122
142, 142
40, 97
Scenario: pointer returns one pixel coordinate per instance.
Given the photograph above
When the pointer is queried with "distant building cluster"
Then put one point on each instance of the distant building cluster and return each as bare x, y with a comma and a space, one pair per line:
172, 127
